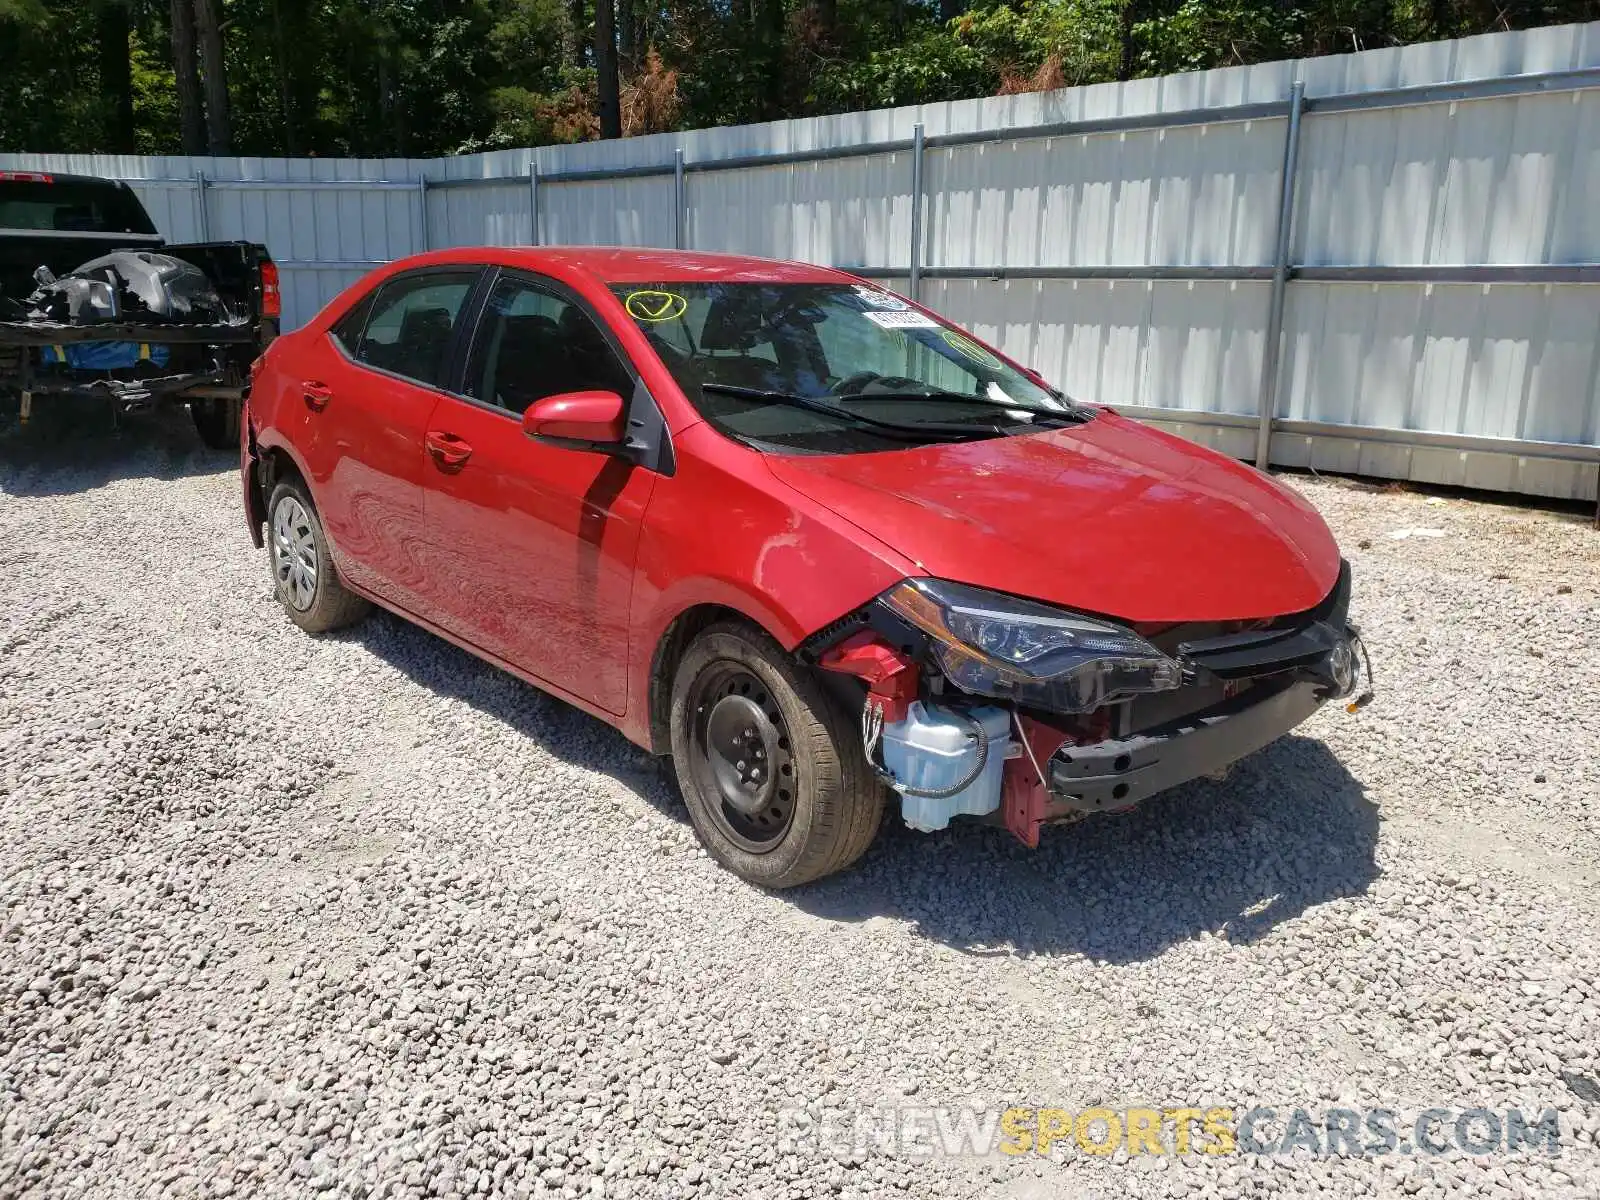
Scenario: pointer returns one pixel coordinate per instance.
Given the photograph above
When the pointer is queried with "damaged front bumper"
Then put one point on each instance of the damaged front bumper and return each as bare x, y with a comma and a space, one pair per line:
1062, 779
1252, 688
1270, 682
1228, 692
1114, 774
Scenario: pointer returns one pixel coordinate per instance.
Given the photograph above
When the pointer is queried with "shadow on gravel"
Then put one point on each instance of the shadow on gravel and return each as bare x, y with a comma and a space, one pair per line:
74, 445
568, 733
1289, 829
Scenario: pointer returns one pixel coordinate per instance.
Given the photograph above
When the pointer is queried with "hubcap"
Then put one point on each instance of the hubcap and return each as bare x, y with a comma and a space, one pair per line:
740, 757
294, 553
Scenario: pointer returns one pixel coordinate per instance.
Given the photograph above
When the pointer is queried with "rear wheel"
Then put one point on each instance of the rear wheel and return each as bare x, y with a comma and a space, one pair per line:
770, 765
303, 575
217, 421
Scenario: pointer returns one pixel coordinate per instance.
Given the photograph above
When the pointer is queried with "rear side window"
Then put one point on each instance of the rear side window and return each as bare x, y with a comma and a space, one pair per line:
348, 331
71, 207
410, 323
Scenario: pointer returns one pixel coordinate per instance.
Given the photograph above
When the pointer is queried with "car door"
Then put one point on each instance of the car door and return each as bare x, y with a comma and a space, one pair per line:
371, 386
532, 545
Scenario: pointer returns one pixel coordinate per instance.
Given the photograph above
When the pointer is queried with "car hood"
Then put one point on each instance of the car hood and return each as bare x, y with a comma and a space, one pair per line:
1108, 517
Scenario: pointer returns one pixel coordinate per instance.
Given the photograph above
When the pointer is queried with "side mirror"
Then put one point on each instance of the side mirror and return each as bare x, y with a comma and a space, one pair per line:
578, 420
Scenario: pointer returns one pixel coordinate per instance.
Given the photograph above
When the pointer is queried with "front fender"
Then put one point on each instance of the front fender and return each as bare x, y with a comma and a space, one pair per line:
723, 533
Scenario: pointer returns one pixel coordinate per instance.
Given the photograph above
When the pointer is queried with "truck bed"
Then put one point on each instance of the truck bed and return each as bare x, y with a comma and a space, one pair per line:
163, 331
55, 333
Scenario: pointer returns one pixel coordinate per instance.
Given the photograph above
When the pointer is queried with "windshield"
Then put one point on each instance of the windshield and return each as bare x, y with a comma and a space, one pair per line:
833, 368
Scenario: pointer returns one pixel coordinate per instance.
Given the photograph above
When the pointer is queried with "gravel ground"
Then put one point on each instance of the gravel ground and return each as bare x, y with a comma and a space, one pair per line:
362, 916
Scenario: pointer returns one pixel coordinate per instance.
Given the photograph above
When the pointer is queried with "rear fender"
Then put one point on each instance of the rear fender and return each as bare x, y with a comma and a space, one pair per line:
261, 450
255, 514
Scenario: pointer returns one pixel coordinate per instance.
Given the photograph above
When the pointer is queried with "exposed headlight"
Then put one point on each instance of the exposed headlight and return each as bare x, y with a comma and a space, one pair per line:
992, 644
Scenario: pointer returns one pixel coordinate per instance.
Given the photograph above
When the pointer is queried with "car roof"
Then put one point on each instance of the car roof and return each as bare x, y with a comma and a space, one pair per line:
632, 264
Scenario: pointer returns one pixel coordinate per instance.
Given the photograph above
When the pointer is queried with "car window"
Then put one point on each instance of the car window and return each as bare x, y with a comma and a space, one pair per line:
832, 367
347, 331
533, 343
411, 322
81, 206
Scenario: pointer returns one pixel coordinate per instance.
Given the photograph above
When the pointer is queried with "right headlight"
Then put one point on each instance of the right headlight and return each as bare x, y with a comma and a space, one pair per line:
992, 644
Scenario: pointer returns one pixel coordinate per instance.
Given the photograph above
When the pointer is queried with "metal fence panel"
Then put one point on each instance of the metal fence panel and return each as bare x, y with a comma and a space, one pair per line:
850, 212
1186, 345
1512, 361
1486, 181
629, 212
1193, 195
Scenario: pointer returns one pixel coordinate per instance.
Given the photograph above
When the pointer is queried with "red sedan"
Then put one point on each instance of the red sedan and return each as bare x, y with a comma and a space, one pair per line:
806, 537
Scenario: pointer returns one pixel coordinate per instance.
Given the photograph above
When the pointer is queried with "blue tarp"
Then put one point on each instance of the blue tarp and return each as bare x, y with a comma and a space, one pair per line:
105, 356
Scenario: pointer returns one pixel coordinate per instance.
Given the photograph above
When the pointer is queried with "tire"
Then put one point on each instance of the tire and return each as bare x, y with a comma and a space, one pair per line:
217, 422
734, 682
304, 578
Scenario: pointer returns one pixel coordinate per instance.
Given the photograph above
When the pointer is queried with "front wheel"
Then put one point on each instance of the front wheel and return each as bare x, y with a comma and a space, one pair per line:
771, 767
303, 575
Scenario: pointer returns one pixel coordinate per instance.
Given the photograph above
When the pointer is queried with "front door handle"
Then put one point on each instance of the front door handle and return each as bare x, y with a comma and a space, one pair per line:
317, 394
449, 451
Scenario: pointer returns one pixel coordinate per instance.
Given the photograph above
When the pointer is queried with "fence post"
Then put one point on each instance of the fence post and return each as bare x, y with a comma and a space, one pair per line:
201, 215
916, 212
422, 206
1272, 348
533, 203
679, 197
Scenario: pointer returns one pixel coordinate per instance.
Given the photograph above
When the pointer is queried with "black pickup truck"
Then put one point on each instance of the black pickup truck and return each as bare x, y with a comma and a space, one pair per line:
93, 302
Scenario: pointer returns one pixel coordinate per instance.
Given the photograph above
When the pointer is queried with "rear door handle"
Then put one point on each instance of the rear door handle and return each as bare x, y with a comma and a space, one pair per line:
317, 394
449, 451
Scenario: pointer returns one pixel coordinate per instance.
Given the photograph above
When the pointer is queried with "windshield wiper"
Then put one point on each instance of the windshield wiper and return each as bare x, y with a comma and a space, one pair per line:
939, 432
1073, 415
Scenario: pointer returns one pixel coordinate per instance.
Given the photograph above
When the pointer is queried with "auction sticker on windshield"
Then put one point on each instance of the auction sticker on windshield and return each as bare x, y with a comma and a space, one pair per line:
901, 320
872, 296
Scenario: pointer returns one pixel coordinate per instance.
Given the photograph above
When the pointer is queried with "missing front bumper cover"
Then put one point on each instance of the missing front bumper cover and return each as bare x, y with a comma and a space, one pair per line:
1115, 774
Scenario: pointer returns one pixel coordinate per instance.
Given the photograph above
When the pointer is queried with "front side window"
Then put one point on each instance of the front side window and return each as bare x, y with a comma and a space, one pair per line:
833, 367
533, 343
410, 324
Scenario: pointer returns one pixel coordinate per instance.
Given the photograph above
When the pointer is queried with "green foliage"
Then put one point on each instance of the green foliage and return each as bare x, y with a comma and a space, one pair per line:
1217, 33
932, 66
155, 99
47, 56
1079, 35
422, 77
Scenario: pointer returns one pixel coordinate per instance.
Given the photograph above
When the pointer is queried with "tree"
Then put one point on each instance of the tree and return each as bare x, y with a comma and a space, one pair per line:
219, 137
426, 77
116, 73
627, 37
191, 112
609, 102
577, 22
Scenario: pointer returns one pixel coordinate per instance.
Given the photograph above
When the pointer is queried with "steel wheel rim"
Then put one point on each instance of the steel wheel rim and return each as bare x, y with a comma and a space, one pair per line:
741, 757
294, 553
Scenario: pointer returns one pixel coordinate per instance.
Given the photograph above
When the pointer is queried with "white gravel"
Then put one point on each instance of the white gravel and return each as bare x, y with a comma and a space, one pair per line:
362, 916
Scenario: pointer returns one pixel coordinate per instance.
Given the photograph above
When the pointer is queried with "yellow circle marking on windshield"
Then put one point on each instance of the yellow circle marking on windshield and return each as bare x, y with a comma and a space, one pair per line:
968, 348
655, 306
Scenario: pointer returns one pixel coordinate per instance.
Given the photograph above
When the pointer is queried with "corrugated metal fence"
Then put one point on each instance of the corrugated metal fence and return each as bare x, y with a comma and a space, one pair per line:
1383, 262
